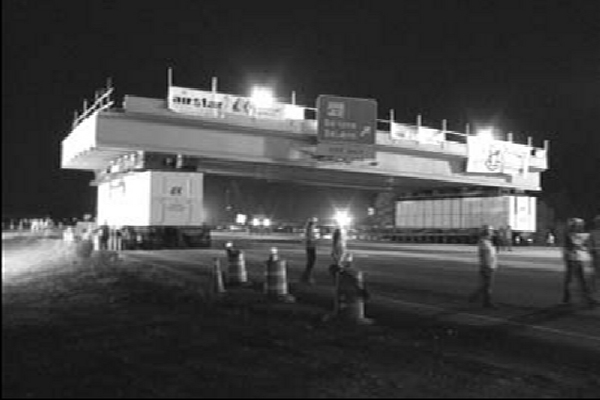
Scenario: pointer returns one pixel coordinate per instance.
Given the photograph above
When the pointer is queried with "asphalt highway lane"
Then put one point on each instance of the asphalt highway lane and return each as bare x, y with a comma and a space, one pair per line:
417, 290
430, 280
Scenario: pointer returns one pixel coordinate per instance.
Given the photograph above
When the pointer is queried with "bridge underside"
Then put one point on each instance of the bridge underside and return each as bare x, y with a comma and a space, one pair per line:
318, 177
360, 176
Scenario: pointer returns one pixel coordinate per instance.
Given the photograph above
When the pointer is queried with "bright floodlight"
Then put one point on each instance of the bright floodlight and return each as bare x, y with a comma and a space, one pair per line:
262, 97
240, 219
255, 222
487, 133
342, 218
266, 222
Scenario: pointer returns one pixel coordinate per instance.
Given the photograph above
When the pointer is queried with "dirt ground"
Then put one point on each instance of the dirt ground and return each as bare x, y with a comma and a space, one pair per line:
131, 330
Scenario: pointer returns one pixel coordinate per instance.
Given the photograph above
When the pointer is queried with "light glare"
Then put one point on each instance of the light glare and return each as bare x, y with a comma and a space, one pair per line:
487, 133
262, 97
342, 218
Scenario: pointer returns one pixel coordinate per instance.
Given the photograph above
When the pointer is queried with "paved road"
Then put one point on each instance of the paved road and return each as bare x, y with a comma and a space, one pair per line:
425, 279
431, 280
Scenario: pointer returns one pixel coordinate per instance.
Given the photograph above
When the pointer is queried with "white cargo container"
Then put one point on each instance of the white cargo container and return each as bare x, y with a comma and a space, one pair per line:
152, 198
468, 212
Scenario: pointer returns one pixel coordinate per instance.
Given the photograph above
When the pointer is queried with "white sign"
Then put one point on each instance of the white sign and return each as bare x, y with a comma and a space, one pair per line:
402, 131
516, 158
419, 133
430, 135
198, 102
494, 156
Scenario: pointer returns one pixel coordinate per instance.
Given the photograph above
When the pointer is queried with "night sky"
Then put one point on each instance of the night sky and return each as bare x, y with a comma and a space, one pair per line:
531, 67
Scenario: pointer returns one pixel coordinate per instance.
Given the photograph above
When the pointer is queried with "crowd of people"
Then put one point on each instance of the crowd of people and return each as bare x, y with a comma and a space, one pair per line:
579, 248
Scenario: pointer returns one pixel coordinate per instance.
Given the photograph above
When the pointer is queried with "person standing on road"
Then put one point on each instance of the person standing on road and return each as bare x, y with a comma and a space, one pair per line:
488, 262
574, 253
103, 235
338, 246
595, 253
310, 243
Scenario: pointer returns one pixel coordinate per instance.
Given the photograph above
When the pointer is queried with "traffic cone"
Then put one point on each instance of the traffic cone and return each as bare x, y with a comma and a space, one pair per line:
236, 271
217, 286
351, 296
276, 285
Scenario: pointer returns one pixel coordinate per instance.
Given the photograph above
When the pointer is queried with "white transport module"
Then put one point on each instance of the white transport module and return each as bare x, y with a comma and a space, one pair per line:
152, 198
458, 213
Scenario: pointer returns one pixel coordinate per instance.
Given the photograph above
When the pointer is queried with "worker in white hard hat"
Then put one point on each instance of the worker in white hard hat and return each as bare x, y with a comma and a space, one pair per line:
488, 263
575, 248
594, 246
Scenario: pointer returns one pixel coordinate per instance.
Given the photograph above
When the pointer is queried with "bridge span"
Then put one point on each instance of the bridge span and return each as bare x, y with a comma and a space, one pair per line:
150, 158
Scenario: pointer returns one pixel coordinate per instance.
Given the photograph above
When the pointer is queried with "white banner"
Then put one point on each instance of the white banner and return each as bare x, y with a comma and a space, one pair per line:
494, 156
402, 131
198, 102
420, 134
430, 135
516, 159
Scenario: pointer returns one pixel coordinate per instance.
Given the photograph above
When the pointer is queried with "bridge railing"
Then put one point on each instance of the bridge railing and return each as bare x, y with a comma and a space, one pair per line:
389, 132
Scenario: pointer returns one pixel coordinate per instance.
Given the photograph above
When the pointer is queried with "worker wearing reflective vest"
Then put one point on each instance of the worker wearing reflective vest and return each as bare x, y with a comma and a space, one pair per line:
574, 253
488, 262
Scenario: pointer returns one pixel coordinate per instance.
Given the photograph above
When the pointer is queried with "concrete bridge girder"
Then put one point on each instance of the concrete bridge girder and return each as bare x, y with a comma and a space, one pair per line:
272, 150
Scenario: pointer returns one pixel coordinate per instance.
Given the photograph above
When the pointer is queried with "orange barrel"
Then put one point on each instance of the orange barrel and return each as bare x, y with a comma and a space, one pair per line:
351, 302
276, 285
236, 271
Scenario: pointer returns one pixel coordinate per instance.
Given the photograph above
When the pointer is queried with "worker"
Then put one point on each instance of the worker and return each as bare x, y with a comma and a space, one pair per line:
310, 243
488, 262
103, 236
574, 253
338, 246
594, 246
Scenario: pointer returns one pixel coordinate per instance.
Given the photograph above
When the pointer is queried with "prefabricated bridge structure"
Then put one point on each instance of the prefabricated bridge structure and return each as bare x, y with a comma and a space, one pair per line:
150, 161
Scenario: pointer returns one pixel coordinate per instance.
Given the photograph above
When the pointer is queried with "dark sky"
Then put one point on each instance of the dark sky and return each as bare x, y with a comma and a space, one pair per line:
529, 66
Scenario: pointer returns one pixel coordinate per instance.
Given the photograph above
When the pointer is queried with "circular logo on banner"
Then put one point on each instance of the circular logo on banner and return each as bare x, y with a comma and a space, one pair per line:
493, 161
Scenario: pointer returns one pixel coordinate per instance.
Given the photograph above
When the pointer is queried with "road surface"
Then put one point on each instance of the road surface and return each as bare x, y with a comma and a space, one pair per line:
431, 280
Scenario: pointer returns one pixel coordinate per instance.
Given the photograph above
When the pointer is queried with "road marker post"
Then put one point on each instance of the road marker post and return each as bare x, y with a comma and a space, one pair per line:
236, 269
276, 285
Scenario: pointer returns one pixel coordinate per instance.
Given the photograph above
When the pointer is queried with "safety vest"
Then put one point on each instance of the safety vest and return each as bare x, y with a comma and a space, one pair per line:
487, 253
576, 246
